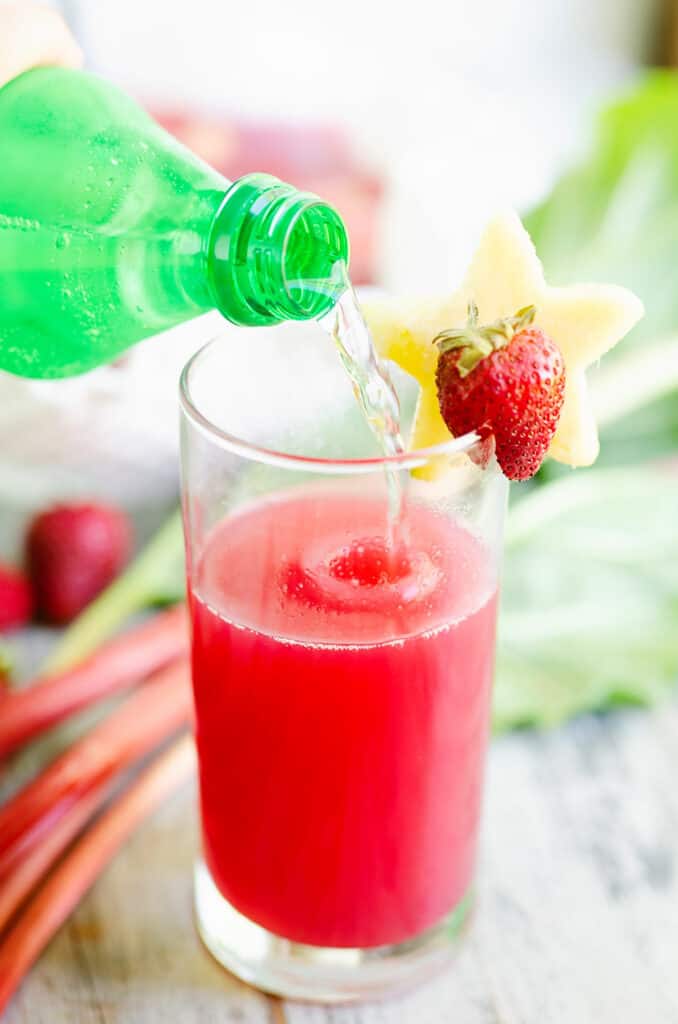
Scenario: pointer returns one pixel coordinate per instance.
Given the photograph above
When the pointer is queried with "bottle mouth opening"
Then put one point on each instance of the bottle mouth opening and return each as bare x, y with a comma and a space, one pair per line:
316, 258
275, 253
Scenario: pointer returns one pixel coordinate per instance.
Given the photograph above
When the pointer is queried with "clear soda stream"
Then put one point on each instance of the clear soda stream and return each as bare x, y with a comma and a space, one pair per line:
372, 385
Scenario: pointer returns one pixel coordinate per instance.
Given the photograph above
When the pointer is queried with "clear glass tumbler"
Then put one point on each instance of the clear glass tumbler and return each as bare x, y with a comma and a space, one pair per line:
342, 670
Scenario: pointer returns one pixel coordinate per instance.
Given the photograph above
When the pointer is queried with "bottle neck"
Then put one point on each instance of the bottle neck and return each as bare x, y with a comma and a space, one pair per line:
275, 253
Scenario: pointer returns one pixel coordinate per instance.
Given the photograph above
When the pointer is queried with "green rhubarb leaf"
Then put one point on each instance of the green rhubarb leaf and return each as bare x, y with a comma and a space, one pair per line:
614, 217
589, 615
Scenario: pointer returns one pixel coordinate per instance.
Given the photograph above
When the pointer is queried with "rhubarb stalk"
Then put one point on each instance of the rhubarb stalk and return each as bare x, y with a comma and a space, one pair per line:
17, 885
124, 660
77, 872
147, 718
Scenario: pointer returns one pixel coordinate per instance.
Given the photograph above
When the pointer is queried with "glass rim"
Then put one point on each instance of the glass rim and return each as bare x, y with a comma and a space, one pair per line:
287, 460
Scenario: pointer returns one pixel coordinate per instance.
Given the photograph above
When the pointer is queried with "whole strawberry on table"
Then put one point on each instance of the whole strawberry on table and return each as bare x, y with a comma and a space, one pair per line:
73, 551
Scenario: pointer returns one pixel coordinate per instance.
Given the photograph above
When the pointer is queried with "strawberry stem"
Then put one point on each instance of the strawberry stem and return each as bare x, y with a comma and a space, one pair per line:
479, 341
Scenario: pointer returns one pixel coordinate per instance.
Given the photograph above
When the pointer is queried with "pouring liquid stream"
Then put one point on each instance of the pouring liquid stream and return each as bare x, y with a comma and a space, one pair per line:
372, 385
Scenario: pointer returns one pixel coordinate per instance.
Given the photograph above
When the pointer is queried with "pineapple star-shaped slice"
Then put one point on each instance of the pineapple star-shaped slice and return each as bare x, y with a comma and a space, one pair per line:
505, 275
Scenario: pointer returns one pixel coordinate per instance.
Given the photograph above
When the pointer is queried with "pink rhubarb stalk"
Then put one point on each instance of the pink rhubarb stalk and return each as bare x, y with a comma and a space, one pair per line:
133, 730
81, 867
120, 663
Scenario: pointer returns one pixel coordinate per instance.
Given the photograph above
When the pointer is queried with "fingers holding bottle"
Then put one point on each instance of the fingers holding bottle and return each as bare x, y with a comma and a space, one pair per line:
33, 35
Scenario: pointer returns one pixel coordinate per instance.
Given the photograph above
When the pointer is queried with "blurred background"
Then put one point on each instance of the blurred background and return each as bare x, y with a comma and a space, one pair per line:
414, 126
417, 127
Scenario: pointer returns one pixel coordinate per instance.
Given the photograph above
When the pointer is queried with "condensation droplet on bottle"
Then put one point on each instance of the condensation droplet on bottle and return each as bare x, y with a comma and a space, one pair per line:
66, 292
114, 161
63, 241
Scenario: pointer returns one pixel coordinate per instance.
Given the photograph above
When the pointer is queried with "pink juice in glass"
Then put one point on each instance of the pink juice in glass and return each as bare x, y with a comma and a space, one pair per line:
342, 690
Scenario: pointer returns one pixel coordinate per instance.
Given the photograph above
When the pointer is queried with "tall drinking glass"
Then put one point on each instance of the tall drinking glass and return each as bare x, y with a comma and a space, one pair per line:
342, 670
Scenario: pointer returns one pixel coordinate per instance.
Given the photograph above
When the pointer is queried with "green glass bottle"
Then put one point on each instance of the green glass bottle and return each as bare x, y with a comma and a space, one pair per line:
111, 231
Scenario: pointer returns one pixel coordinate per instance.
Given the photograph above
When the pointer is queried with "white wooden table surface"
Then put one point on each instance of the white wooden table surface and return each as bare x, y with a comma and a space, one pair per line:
577, 921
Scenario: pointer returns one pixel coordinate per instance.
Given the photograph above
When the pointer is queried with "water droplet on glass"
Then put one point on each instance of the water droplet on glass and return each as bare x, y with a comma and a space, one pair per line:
63, 241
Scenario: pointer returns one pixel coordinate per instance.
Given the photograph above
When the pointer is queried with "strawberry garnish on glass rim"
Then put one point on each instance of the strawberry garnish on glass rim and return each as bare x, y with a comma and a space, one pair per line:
505, 379
505, 274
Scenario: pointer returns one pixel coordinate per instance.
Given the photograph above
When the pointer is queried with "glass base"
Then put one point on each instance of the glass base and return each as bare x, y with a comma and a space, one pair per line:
317, 973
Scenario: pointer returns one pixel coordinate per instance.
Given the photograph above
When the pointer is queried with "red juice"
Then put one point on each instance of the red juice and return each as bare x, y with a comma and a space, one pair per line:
342, 691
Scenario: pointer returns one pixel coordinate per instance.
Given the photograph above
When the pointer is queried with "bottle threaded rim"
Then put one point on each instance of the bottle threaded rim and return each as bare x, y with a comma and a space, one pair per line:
274, 252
